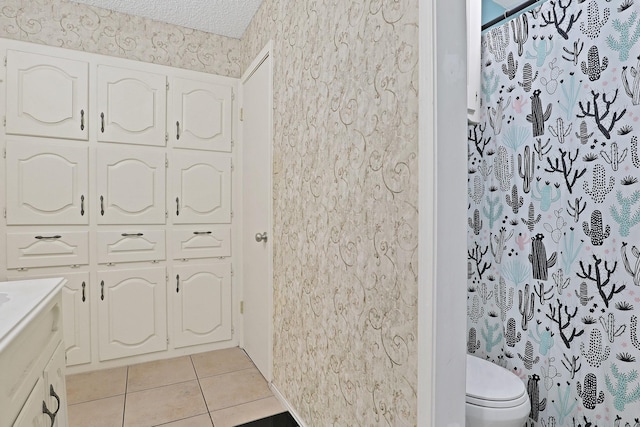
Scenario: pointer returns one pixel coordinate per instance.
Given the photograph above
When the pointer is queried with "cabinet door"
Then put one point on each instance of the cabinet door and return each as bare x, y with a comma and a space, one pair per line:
205, 242
48, 248
201, 303
131, 186
76, 318
201, 187
47, 96
31, 414
132, 310
55, 388
130, 245
46, 183
200, 115
131, 106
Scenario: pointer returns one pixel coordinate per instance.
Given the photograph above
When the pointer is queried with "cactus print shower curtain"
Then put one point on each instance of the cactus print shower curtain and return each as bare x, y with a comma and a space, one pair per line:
554, 210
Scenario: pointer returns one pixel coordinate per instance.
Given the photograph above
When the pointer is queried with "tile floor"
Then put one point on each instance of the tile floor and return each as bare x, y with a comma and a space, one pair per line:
221, 389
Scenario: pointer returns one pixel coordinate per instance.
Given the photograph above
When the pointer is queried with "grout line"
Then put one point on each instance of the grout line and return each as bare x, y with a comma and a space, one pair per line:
126, 389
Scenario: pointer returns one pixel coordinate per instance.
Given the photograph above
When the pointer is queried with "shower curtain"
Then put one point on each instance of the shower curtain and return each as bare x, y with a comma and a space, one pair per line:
554, 210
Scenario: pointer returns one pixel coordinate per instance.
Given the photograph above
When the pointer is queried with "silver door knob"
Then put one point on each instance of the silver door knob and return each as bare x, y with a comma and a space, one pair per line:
261, 237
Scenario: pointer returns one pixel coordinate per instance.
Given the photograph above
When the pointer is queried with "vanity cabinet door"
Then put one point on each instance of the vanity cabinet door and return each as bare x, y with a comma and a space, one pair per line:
31, 414
55, 388
131, 185
132, 310
131, 106
201, 303
46, 183
47, 96
200, 115
201, 187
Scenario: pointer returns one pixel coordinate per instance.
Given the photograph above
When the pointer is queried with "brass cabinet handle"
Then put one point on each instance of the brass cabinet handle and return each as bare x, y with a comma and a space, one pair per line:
102, 290
82, 205
57, 236
102, 122
83, 296
81, 119
177, 283
102, 205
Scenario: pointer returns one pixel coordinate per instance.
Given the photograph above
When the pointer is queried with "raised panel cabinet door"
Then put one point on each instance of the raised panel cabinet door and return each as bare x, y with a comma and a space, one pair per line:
131, 106
201, 187
204, 242
47, 248
200, 115
132, 312
131, 185
31, 414
76, 319
46, 183
47, 96
201, 303
131, 245
55, 388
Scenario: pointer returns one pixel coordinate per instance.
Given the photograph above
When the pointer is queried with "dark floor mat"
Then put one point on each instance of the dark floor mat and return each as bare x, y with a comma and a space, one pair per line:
280, 420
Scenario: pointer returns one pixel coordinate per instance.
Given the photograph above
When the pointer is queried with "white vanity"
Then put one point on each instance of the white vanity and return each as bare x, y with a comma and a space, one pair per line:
32, 361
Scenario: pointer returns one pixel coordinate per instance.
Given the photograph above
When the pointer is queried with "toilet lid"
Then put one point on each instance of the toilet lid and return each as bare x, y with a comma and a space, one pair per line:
490, 385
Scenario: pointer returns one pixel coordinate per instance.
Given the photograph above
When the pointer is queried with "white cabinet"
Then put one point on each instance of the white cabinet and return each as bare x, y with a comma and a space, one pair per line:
76, 303
131, 185
132, 312
47, 96
32, 355
131, 106
205, 242
47, 183
47, 248
200, 115
131, 245
201, 303
201, 187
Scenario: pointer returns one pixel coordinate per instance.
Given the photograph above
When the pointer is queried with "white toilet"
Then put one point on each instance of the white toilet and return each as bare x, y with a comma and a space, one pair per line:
495, 396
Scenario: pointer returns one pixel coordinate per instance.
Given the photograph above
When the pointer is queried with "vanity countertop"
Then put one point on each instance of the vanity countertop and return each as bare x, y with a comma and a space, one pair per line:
22, 300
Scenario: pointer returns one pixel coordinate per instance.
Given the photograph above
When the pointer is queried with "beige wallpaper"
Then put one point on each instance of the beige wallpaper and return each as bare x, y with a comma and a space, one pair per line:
345, 196
345, 185
77, 26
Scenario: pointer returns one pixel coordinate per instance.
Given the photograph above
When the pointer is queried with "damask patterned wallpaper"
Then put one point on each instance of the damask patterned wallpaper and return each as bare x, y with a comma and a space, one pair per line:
77, 26
345, 203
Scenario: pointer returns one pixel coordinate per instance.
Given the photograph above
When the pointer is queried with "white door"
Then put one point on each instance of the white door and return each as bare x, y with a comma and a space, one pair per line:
201, 303
47, 96
47, 183
132, 312
131, 106
200, 115
130, 185
257, 212
201, 187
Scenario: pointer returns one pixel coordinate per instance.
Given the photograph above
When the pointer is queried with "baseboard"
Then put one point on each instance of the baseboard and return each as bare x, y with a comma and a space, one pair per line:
287, 405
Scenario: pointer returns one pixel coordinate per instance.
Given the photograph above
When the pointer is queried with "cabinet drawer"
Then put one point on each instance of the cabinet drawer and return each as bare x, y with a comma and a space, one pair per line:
205, 242
130, 246
47, 249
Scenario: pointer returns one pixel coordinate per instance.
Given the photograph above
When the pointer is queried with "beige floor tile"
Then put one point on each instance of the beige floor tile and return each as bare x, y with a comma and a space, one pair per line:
97, 413
234, 388
164, 404
160, 373
220, 362
96, 385
199, 421
247, 412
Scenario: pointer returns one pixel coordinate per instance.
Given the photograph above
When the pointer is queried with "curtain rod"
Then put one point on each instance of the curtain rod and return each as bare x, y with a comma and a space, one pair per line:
509, 13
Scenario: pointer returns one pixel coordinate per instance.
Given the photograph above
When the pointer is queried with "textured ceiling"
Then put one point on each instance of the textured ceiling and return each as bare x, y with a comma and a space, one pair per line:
224, 17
